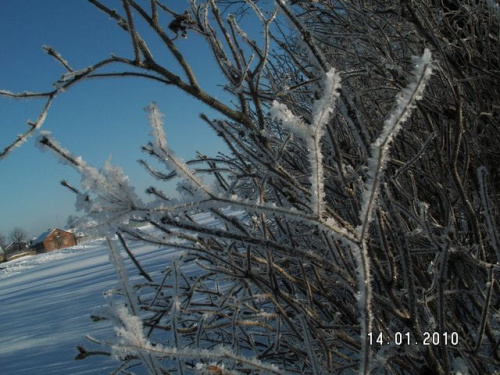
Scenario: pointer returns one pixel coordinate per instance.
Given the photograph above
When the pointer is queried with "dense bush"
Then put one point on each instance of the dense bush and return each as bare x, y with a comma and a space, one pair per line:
358, 205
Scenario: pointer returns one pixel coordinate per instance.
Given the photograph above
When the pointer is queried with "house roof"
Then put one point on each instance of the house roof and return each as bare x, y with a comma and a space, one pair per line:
42, 237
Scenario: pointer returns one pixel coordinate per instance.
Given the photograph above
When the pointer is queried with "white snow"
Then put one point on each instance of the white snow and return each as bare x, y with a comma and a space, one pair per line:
46, 302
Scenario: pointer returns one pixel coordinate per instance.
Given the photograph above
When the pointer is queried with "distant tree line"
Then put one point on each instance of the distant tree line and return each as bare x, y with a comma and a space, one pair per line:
16, 240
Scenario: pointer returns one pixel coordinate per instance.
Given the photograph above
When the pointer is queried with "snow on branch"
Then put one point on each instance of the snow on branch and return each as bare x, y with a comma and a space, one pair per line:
130, 333
280, 112
117, 261
158, 147
312, 134
34, 126
322, 111
156, 121
215, 353
405, 103
115, 199
324, 106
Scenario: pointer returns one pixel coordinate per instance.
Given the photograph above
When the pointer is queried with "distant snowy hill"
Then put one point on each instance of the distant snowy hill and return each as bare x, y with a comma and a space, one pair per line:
45, 307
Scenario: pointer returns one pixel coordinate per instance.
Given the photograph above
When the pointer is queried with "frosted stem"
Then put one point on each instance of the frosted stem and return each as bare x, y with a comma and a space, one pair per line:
406, 102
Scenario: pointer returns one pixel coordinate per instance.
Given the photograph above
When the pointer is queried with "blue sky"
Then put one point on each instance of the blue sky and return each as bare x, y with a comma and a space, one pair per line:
94, 119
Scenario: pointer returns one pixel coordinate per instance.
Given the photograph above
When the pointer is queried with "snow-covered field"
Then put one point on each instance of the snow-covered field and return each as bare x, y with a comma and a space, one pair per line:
45, 307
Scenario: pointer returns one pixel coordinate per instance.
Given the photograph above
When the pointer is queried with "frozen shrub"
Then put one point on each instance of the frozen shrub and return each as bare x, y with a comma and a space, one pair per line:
357, 213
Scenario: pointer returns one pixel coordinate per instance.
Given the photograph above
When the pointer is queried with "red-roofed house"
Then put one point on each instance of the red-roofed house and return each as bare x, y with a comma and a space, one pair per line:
53, 239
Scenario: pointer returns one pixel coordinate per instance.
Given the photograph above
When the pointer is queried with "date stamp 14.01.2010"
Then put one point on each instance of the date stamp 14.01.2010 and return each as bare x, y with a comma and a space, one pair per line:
400, 338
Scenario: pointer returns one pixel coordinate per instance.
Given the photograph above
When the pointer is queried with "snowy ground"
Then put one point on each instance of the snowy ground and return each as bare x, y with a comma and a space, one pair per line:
45, 307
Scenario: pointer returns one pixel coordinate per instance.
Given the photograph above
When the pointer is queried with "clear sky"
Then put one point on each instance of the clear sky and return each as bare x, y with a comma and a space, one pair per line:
94, 119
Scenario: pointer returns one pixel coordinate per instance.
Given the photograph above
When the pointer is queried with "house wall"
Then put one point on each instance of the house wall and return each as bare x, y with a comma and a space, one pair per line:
58, 240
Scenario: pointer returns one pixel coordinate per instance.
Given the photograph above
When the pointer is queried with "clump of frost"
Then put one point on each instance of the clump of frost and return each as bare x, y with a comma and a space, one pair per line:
131, 335
289, 121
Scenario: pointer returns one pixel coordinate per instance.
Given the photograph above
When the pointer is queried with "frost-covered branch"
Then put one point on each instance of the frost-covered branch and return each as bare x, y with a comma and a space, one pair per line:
406, 103
312, 135
34, 126
115, 200
159, 148
131, 332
